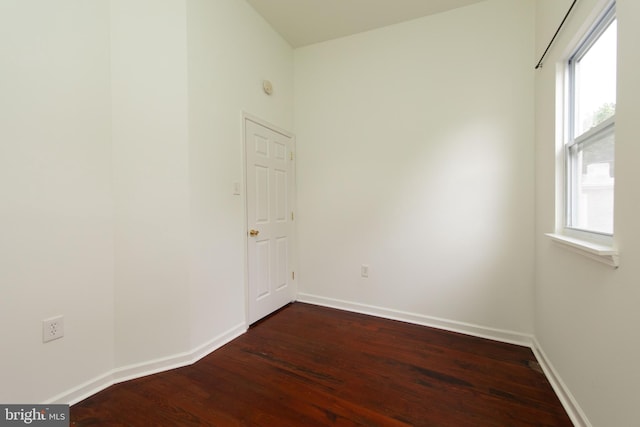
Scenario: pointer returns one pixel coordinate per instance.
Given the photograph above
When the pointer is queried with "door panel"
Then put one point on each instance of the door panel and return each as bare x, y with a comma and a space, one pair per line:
282, 263
262, 264
281, 196
261, 197
270, 186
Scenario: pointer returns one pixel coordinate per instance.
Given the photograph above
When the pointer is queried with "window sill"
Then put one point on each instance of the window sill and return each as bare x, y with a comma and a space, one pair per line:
602, 253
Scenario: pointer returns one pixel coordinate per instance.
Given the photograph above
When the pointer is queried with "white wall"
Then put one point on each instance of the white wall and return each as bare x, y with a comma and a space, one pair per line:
415, 156
150, 152
231, 50
120, 138
183, 73
587, 313
56, 207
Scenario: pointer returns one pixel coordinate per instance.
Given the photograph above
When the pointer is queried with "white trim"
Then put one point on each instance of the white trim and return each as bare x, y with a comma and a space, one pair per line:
84, 390
261, 122
602, 253
502, 335
143, 369
575, 412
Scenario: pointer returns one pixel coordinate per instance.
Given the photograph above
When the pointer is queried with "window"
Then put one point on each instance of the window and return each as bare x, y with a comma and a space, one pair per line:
589, 149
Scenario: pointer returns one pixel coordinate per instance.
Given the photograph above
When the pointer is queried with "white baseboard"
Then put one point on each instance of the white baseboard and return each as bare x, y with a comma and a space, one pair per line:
139, 370
126, 373
569, 403
501, 335
575, 412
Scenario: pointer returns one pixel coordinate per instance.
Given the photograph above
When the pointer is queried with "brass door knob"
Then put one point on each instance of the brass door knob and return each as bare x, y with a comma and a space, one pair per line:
253, 233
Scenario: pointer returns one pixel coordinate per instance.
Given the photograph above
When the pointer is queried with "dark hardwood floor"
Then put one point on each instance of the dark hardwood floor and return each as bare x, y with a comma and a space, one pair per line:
313, 366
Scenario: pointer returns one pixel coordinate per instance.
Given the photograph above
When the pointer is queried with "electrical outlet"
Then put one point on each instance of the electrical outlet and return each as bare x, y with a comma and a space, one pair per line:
364, 270
52, 328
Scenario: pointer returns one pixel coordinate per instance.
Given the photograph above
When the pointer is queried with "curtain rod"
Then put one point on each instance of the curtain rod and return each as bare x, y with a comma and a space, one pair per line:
539, 65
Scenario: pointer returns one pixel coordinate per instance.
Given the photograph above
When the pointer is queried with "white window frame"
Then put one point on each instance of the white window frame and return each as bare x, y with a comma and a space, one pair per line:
599, 132
593, 244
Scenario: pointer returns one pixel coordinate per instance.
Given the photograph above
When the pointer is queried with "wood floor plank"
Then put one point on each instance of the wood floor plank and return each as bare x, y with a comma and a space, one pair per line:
314, 366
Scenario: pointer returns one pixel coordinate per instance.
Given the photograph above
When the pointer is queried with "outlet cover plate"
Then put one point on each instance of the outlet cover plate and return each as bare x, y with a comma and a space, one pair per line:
52, 328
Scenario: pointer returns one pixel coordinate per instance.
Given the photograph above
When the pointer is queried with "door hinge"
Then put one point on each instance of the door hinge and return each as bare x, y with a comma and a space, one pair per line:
292, 216
293, 275
291, 155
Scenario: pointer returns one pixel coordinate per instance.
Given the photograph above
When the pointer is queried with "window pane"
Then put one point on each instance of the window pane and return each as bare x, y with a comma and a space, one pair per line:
595, 82
594, 172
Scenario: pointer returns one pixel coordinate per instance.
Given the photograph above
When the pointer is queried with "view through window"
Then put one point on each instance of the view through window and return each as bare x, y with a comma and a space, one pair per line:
590, 149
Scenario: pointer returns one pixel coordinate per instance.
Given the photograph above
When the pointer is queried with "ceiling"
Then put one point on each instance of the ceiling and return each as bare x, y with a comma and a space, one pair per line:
304, 22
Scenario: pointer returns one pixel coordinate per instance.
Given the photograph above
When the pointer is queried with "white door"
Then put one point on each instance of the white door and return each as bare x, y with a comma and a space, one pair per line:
270, 191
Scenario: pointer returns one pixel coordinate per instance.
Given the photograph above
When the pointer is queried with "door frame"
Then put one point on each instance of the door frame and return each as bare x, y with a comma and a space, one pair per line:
245, 204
